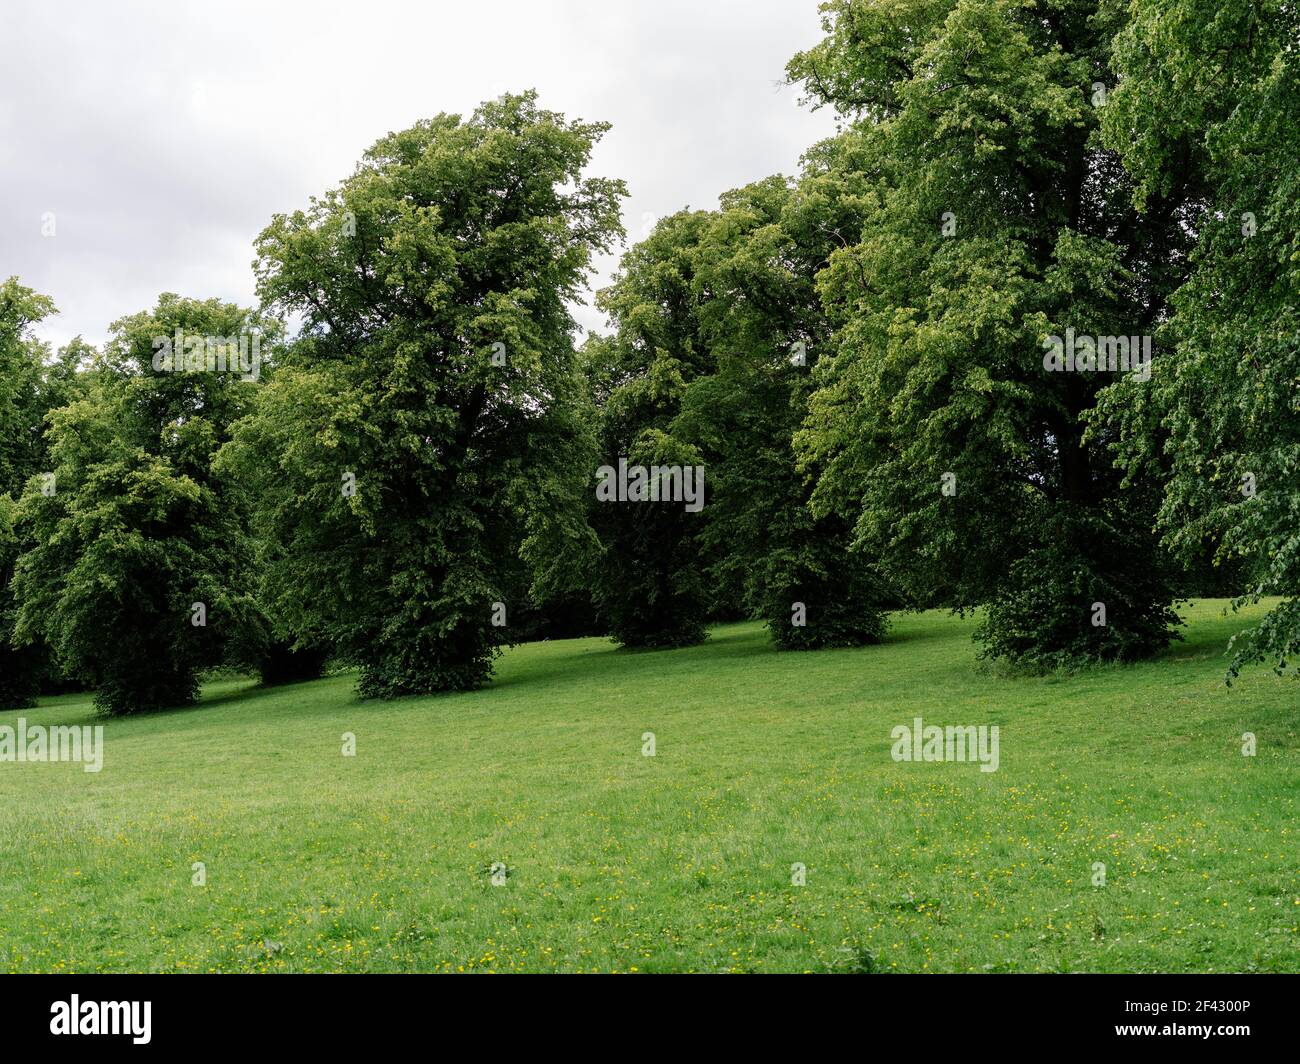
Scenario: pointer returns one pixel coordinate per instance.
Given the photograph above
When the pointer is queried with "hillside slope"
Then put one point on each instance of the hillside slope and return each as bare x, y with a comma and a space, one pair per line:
681, 861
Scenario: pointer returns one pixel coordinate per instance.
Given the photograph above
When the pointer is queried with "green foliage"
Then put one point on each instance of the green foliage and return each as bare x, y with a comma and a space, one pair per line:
717, 320
647, 583
1092, 591
20, 667
455, 246
139, 529
755, 273
855, 358
31, 384
22, 405
992, 218
1208, 103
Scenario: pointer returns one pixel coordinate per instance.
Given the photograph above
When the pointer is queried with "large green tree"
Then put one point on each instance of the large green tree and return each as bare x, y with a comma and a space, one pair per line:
31, 384
22, 407
649, 582
1209, 95
419, 431
717, 323
997, 220
760, 317
138, 570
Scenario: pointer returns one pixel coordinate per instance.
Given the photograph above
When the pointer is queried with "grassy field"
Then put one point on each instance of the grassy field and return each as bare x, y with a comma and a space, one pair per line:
681, 861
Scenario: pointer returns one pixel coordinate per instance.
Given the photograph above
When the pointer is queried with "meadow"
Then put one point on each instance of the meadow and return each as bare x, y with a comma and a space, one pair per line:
608, 860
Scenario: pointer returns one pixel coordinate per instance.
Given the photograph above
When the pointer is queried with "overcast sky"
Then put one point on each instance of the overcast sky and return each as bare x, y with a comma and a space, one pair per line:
163, 136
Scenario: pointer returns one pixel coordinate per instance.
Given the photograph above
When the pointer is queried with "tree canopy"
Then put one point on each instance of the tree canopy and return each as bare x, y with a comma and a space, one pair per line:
1021, 338
418, 424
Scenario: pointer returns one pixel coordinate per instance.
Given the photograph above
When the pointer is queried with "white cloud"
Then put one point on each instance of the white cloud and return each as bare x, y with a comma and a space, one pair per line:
163, 136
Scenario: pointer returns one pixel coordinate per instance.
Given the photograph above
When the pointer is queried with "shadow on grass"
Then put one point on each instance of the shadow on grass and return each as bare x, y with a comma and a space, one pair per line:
557, 663
222, 693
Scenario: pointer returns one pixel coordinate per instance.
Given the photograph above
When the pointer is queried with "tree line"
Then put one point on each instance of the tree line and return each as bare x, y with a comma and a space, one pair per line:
1021, 337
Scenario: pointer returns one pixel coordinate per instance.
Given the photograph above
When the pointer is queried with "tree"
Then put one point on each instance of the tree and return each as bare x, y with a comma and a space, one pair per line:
21, 668
648, 585
1209, 97
138, 570
22, 409
995, 221
755, 273
27, 391
415, 434
716, 323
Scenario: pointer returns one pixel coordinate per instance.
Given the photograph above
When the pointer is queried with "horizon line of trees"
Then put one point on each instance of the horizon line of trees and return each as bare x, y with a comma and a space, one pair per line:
856, 356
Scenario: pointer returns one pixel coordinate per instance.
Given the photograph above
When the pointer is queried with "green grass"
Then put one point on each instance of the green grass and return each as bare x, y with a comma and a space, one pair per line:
681, 861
